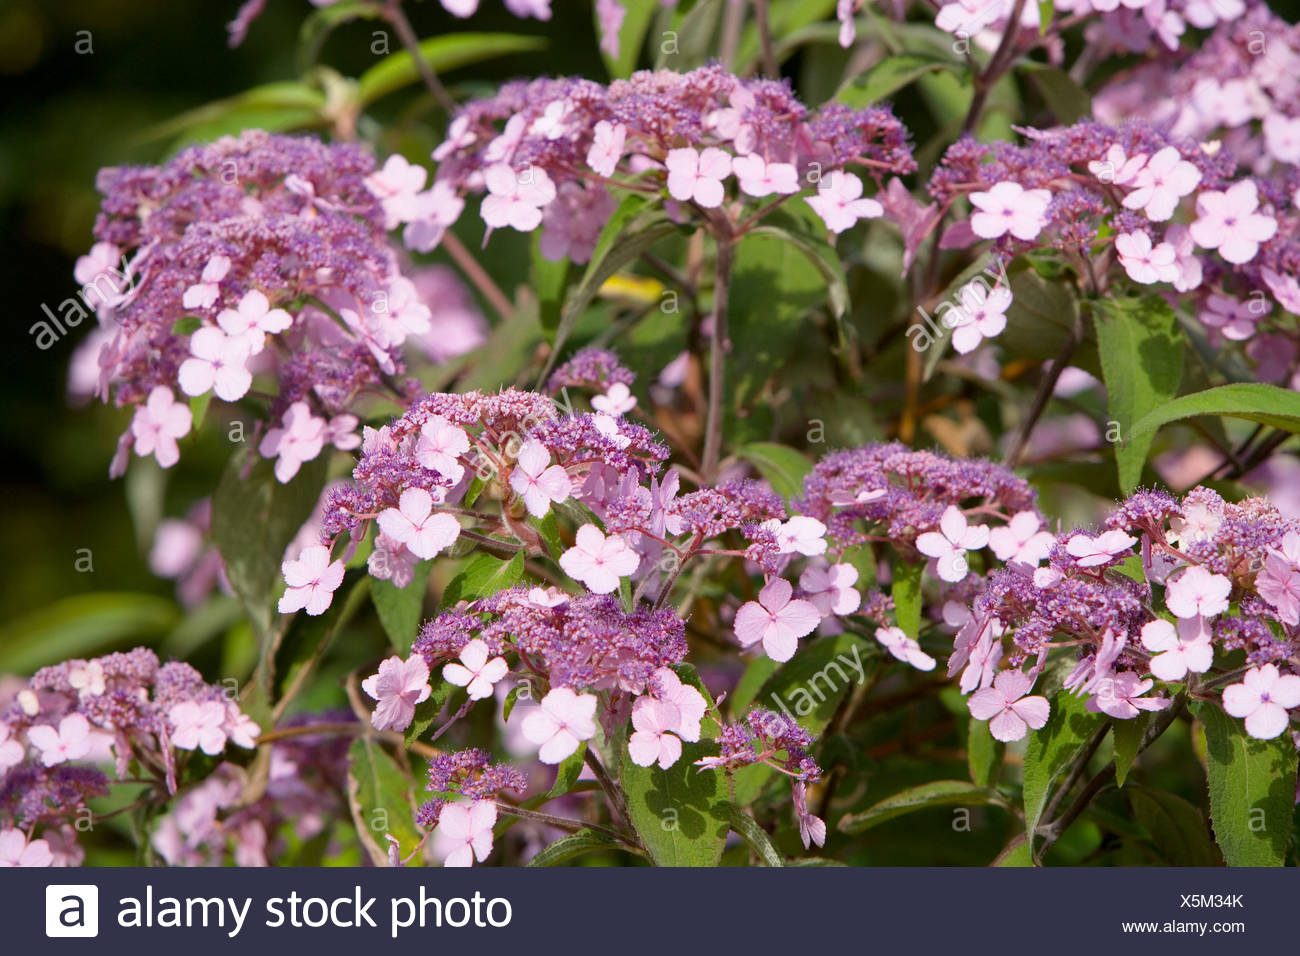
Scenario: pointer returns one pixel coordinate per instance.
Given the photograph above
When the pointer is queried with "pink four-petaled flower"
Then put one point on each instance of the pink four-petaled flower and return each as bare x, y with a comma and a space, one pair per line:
698, 176
1179, 648
199, 725
983, 315
312, 580
1161, 183
475, 672
465, 832
1011, 714
1007, 207
606, 147
1089, 552
776, 620
598, 561
414, 524
948, 545
217, 363
1263, 698
515, 199
1229, 221
831, 590
840, 203
398, 687
16, 851
904, 648
440, 446
1020, 541
69, 741
758, 177
299, 438
560, 723
537, 481
158, 423
252, 320
1198, 592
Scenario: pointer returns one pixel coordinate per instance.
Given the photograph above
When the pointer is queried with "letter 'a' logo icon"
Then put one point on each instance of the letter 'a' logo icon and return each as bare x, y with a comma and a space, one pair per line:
71, 910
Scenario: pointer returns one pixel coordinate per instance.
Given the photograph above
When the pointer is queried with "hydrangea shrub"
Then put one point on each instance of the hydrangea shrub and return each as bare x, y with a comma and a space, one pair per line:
666, 468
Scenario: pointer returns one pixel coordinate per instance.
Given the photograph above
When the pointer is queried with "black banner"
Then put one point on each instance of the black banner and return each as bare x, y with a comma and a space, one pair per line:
632, 911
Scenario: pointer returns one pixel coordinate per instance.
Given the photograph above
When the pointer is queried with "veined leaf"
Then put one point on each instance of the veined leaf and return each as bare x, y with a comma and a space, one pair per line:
783, 467
1142, 362
1252, 789
444, 53
681, 814
379, 794
1127, 736
253, 521
906, 592
1266, 404
1052, 749
575, 844
983, 754
400, 609
889, 76
756, 837
483, 576
1177, 828
940, 793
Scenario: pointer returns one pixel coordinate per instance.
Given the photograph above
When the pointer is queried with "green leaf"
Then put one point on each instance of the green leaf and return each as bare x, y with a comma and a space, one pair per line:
681, 814
444, 53
400, 609
253, 521
1127, 735
634, 228
797, 224
1015, 853
983, 754
512, 698
427, 711
1252, 789
483, 576
549, 528
889, 76
549, 281
1177, 828
289, 103
1052, 749
567, 773
637, 17
939, 793
906, 592
1041, 317
84, 625
774, 287
317, 27
1141, 352
575, 844
782, 466
784, 18
757, 838
379, 794
1068, 101
309, 637
1266, 404
1046, 9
